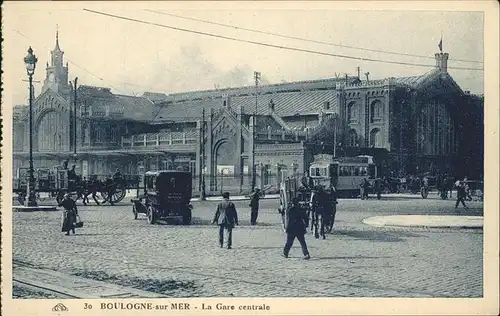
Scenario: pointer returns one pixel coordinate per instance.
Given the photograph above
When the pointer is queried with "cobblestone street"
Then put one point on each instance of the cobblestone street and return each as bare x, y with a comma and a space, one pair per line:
356, 260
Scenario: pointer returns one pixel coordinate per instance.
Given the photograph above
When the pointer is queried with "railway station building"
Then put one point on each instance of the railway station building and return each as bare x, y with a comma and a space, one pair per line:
410, 125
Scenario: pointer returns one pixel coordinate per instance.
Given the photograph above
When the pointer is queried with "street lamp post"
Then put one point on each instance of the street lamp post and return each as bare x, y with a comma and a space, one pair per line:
30, 62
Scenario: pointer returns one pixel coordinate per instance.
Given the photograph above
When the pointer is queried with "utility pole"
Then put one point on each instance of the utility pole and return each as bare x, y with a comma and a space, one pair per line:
359, 70
335, 138
202, 157
257, 79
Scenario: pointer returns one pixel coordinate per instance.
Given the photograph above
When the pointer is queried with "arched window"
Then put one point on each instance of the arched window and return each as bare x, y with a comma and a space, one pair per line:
375, 138
353, 138
352, 113
376, 111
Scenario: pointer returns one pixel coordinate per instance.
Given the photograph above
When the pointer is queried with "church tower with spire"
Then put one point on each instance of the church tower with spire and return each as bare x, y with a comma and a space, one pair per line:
56, 77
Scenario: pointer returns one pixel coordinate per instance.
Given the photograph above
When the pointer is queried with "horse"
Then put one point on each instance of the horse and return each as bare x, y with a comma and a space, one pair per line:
322, 215
90, 187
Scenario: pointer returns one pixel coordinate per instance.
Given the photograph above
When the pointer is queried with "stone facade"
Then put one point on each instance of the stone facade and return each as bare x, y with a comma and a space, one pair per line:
421, 123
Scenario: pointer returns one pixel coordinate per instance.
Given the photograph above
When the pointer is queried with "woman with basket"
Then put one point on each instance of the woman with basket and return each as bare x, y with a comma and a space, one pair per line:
70, 218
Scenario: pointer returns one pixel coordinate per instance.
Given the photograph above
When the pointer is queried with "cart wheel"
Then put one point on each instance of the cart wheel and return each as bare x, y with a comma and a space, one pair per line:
186, 218
134, 211
118, 195
151, 215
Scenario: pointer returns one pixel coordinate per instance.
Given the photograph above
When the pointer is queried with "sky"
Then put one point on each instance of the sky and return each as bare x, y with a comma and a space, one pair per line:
131, 57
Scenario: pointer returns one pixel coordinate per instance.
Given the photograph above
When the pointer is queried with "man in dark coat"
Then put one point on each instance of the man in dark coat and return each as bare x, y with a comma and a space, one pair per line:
296, 224
69, 215
72, 179
378, 188
254, 206
110, 187
226, 217
461, 194
365, 186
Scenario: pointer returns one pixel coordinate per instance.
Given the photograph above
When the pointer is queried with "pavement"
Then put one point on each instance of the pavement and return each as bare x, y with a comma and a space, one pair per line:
428, 221
40, 208
73, 286
356, 260
450, 221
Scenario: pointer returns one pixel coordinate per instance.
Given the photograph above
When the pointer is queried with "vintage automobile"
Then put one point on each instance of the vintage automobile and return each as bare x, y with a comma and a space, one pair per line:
166, 195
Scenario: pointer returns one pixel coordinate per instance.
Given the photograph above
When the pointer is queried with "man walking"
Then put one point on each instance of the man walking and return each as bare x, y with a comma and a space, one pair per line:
254, 206
226, 217
461, 194
296, 224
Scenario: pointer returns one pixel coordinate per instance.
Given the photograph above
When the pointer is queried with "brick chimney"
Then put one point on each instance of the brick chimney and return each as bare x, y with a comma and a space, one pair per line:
442, 62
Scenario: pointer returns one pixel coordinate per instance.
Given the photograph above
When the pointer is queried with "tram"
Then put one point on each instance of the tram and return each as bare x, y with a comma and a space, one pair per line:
346, 173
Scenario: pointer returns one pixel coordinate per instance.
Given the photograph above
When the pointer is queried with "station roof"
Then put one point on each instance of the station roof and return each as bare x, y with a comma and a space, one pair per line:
289, 99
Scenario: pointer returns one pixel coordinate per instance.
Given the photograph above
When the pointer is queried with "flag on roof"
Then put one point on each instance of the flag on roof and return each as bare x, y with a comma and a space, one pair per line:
440, 45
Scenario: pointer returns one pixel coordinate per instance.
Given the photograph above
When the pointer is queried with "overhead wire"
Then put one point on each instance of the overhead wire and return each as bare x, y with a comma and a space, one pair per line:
301, 38
267, 44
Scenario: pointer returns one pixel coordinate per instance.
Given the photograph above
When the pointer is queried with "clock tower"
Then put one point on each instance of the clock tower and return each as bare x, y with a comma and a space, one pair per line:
56, 77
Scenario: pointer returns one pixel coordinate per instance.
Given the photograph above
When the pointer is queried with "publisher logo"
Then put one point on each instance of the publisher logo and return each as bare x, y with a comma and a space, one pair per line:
59, 308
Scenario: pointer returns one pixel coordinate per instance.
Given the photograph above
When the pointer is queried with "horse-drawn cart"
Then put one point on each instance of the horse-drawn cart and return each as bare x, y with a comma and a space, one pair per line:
52, 181
55, 182
321, 221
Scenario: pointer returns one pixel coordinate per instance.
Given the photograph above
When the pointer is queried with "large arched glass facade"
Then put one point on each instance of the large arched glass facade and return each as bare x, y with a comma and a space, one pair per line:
53, 133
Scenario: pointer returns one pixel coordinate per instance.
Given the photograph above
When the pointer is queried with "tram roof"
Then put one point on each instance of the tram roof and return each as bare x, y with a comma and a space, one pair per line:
155, 173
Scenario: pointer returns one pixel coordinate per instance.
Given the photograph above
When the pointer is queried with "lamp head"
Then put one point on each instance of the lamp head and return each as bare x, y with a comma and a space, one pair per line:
30, 62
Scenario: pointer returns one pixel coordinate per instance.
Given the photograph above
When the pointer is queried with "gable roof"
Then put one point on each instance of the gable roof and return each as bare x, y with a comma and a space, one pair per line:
418, 82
